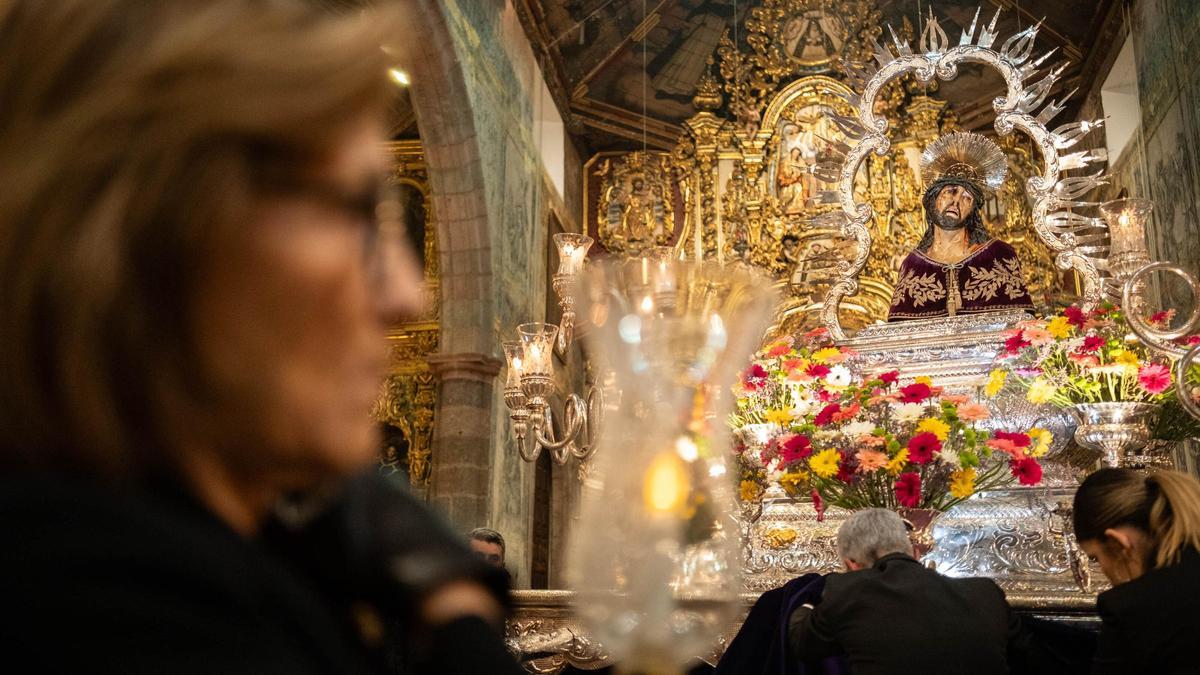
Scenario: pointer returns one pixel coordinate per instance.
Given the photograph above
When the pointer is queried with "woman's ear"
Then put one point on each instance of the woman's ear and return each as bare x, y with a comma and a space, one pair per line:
1118, 539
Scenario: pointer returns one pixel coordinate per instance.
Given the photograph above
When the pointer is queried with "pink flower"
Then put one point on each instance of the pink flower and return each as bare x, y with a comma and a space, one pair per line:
1075, 316
1027, 471
918, 392
794, 448
1154, 378
797, 375
1083, 360
956, 399
791, 364
1193, 340
1038, 336
890, 377
826, 415
972, 412
815, 333
818, 505
1004, 446
871, 441
922, 446
908, 489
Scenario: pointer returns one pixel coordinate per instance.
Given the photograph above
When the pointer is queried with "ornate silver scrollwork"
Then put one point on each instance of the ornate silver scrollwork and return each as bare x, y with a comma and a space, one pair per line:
1015, 111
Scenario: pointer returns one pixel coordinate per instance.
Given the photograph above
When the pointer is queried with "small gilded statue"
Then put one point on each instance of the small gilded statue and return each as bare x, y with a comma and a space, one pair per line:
957, 268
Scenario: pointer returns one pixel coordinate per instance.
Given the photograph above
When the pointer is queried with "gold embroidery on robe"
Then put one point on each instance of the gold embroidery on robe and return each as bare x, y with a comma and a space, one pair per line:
922, 288
986, 283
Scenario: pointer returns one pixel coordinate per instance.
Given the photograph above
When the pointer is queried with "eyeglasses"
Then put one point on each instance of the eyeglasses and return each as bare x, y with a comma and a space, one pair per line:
378, 207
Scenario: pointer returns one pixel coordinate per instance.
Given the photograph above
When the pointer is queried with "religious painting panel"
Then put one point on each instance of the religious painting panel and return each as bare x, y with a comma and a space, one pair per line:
1170, 164
1156, 58
632, 202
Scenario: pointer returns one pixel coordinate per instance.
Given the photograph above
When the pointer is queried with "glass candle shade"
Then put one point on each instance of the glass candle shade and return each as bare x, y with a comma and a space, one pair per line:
1126, 220
572, 250
514, 352
537, 342
653, 561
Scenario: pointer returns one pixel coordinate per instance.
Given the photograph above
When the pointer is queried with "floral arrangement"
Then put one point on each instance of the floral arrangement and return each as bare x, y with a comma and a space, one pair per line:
854, 443
1083, 357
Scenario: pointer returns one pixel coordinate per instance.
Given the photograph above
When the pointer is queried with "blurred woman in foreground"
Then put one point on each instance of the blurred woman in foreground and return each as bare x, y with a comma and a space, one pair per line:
1144, 530
196, 271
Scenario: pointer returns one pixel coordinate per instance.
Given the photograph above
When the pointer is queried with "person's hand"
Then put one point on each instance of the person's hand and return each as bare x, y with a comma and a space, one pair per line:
459, 599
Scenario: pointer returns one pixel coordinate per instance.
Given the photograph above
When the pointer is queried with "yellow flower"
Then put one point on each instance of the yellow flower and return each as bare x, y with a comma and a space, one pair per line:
1042, 438
750, 491
825, 463
1041, 391
962, 483
923, 379
995, 382
896, 464
1126, 358
1059, 327
794, 480
823, 355
936, 426
780, 417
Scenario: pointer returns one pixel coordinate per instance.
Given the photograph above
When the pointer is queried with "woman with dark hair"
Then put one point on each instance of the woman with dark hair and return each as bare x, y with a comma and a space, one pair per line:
1144, 530
197, 271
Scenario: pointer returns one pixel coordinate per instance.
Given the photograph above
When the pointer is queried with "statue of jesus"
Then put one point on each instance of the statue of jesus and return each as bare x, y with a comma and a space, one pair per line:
958, 268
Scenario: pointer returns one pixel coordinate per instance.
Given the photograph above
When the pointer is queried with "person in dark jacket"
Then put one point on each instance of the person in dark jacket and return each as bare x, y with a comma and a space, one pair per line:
199, 262
891, 616
1144, 530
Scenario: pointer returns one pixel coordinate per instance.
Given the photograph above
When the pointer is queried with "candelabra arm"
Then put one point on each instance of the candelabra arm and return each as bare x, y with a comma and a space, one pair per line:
574, 417
529, 447
592, 423
1156, 339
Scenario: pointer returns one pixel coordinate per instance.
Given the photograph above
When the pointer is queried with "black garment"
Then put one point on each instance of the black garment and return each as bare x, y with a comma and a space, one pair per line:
1152, 624
899, 618
96, 580
760, 646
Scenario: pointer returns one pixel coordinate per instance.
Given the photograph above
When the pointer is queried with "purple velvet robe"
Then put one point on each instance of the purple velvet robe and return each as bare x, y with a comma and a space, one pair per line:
987, 280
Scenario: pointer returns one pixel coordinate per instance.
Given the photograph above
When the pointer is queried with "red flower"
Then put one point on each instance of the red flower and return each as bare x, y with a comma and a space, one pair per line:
818, 370
922, 446
826, 415
917, 392
1016, 343
1075, 316
819, 505
1027, 471
754, 377
889, 378
825, 396
847, 468
795, 448
1091, 344
1193, 340
1163, 317
1018, 439
908, 490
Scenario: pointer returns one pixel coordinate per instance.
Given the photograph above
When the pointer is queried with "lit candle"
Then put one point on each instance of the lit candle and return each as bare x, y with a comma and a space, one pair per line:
665, 485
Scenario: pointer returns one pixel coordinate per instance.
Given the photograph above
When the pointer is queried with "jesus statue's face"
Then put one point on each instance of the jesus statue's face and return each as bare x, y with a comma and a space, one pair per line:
952, 206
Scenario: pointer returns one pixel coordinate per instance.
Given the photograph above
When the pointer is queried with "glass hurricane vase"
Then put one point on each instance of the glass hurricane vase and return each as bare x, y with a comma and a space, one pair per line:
655, 556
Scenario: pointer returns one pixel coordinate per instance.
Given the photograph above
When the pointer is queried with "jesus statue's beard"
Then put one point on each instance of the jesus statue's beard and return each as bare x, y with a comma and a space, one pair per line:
949, 222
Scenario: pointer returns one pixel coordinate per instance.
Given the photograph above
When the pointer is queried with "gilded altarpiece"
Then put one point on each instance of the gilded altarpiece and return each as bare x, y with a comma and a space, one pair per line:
753, 177
409, 395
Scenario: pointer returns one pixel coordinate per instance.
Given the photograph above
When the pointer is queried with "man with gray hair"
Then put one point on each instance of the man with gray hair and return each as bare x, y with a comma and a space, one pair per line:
890, 615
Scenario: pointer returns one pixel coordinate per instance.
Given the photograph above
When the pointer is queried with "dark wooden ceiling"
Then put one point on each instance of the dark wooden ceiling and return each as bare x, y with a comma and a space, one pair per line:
592, 53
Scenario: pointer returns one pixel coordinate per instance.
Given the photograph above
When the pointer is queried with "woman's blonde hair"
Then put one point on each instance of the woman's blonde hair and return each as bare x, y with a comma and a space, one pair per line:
134, 136
1164, 504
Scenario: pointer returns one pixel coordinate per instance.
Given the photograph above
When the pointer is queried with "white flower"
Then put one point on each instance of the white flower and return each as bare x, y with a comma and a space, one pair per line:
773, 466
909, 412
825, 435
801, 407
856, 429
775, 476
839, 376
950, 457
